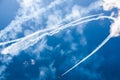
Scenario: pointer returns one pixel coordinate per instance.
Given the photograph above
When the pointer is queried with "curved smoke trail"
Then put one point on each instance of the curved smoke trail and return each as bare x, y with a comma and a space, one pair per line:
35, 37
48, 29
114, 30
88, 56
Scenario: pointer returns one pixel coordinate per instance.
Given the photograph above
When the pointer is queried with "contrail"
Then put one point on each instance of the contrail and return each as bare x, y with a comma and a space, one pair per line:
26, 42
48, 29
114, 31
87, 20
35, 37
88, 56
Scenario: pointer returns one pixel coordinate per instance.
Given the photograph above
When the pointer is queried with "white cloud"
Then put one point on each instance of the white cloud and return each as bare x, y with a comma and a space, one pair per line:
54, 18
28, 32
108, 5
4, 60
29, 9
40, 46
74, 46
45, 72
115, 27
2, 68
83, 41
68, 36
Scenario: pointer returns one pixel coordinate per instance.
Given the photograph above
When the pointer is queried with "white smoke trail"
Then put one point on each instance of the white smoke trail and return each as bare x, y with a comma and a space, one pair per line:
88, 56
32, 39
114, 30
48, 29
33, 36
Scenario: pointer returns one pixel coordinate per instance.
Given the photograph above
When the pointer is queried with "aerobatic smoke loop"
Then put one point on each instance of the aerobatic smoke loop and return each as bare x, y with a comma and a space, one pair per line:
27, 41
114, 30
35, 37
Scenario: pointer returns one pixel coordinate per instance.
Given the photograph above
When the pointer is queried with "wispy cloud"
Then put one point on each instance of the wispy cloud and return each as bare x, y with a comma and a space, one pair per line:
46, 72
29, 9
108, 5
115, 27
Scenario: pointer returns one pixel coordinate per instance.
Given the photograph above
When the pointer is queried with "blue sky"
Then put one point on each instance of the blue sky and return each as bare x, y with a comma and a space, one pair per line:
41, 39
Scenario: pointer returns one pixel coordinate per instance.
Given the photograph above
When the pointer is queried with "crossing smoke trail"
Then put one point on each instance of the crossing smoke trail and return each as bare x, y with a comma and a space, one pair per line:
32, 39
48, 29
35, 35
114, 31
29, 9
68, 17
